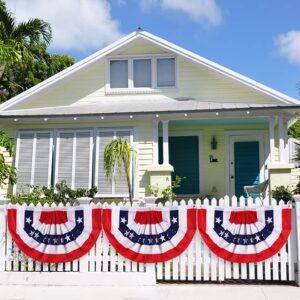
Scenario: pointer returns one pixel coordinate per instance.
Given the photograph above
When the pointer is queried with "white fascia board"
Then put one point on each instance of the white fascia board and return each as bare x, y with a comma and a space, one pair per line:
219, 69
42, 86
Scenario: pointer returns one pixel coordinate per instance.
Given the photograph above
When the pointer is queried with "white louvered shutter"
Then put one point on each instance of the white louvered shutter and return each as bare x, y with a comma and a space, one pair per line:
104, 185
34, 159
83, 160
74, 159
43, 159
64, 157
120, 180
24, 161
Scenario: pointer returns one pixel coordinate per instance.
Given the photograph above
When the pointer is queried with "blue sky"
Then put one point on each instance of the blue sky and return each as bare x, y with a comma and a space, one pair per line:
257, 38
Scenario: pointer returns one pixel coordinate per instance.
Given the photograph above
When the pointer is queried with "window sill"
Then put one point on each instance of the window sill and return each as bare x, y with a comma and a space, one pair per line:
140, 91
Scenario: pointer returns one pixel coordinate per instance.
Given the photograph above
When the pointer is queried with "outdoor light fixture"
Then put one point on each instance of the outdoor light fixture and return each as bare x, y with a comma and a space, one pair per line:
16, 120
185, 115
217, 113
248, 112
130, 117
102, 118
157, 116
45, 119
214, 143
74, 118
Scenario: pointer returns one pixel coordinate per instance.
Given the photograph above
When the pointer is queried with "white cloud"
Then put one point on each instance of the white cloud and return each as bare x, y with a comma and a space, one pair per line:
201, 11
288, 45
76, 24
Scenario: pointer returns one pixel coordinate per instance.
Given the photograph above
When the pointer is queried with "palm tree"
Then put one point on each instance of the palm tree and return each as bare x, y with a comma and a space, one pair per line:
18, 40
118, 155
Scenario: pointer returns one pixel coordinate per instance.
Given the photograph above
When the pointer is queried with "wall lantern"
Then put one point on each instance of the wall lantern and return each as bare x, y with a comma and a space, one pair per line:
214, 143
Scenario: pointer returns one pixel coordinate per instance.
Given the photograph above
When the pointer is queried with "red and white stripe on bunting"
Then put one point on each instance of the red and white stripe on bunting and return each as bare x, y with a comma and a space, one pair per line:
54, 235
149, 234
245, 235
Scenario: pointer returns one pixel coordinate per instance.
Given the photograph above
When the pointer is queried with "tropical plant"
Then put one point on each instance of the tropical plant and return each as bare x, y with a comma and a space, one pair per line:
118, 157
7, 171
282, 193
18, 43
167, 194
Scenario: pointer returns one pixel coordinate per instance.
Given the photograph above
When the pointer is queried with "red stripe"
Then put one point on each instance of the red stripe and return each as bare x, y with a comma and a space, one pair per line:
55, 258
151, 258
243, 217
54, 217
246, 258
148, 217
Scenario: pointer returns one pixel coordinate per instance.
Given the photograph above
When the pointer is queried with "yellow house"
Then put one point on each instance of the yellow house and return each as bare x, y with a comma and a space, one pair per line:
184, 115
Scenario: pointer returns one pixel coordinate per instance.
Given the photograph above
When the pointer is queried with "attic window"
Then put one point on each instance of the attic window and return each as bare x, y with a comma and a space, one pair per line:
139, 74
119, 73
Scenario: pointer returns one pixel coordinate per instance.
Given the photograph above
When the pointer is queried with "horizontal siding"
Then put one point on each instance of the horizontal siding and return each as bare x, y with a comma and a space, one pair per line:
194, 81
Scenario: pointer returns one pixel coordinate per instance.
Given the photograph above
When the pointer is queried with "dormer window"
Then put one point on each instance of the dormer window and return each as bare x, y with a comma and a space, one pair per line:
119, 73
141, 74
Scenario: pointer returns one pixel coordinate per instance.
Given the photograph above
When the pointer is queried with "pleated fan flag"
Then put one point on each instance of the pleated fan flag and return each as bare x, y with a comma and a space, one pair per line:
54, 235
149, 234
245, 235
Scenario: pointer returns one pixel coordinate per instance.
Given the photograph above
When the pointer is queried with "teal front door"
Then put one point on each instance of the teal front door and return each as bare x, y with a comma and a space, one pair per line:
246, 165
184, 157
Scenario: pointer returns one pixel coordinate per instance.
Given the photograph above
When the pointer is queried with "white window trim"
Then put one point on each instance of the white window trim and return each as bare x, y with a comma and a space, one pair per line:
114, 130
140, 90
35, 133
74, 132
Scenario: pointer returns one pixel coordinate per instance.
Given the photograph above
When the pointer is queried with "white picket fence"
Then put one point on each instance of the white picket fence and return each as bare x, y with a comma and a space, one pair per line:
104, 266
198, 263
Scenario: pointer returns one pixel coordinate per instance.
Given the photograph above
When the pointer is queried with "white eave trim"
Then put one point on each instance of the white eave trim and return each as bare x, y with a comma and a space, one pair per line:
161, 43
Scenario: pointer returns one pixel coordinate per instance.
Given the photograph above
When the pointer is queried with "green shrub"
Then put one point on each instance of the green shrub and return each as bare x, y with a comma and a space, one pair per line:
168, 193
282, 193
61, 193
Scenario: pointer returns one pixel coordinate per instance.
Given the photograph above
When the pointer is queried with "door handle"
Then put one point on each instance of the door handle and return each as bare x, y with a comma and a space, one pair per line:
231, 176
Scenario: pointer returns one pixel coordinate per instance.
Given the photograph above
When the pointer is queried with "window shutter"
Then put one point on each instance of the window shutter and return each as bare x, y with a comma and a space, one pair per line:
64, 156
74, 159
43, 159
83, 160
34, 159
24, 161
120, 180
104, 185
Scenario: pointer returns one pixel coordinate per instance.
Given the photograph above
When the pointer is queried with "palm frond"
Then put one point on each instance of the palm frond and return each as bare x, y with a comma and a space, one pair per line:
34, 31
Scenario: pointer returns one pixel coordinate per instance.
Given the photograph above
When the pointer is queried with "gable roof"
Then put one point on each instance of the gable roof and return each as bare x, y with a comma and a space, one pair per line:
127, 41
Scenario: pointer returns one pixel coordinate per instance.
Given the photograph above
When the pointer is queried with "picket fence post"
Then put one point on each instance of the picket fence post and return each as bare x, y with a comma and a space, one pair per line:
2, 236
297, 214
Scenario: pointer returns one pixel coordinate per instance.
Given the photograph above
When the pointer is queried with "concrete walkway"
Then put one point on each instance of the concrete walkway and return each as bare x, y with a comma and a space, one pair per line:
159, 292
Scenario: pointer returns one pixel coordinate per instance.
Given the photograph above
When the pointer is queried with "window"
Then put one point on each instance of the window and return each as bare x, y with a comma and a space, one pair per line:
74, 158
33, 160
165, 72
119, 74
118, 186
143, 73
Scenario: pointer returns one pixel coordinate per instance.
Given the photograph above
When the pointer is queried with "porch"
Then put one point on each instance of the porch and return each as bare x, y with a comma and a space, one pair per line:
220, 155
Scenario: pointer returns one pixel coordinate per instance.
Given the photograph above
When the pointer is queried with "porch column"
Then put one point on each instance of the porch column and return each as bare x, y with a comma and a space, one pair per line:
281, 136
165, 124
155, 142
272, 138
286, 141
